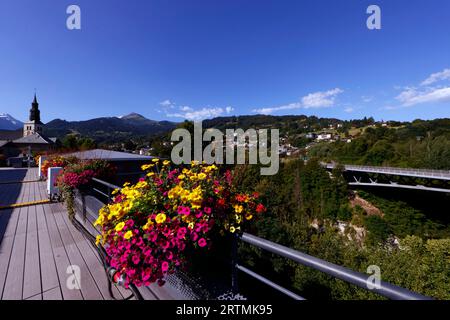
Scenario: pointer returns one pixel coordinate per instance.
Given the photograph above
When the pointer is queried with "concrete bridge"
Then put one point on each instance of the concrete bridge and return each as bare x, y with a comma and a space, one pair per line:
360, 175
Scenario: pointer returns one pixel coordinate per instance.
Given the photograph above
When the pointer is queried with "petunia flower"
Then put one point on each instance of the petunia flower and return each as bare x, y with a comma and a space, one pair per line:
202, 242
164, 266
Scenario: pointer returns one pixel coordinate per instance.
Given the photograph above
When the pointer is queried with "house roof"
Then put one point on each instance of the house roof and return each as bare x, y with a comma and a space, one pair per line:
34, 138
10, 135
108, 155
3, 142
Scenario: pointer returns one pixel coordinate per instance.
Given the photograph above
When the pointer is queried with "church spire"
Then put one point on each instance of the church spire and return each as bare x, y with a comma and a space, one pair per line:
35, 114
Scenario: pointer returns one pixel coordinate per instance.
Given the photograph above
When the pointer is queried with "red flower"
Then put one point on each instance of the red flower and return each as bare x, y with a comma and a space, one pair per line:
260, 208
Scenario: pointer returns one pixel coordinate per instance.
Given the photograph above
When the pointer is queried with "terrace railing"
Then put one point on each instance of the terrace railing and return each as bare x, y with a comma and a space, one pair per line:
338, 272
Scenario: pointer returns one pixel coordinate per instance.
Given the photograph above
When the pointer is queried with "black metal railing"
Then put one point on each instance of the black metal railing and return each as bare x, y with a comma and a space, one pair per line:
104, 189
359, 279
356, 278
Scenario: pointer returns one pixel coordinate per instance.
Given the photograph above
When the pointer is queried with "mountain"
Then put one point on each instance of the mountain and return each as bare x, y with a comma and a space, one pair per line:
135, 117
109, 129
7, 122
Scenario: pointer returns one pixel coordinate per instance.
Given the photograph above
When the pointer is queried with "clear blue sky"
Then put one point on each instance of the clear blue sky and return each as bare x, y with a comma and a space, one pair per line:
170, 59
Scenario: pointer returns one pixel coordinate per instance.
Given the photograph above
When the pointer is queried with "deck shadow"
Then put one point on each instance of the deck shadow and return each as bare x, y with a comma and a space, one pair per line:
10, 190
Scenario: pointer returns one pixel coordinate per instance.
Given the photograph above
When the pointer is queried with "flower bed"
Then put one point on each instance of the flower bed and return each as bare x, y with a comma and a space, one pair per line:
148, 228
78, 174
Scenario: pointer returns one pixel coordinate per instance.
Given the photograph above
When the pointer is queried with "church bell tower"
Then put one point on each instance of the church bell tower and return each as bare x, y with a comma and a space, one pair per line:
34, 125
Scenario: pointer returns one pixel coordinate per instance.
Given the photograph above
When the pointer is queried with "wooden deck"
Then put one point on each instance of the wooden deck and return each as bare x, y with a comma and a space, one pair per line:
38, 243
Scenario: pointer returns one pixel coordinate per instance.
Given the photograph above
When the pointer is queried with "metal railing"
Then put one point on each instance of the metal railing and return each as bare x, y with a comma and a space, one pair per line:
109, 188
410, 172
359, 279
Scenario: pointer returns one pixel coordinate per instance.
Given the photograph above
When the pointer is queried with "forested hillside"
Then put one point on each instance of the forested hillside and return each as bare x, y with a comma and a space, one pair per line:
419, 144
307, 205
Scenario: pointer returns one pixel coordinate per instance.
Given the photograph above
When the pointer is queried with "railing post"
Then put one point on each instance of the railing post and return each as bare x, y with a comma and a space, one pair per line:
234, 262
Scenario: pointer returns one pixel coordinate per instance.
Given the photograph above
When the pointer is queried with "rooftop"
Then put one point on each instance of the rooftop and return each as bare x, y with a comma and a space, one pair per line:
101, 154
35, 138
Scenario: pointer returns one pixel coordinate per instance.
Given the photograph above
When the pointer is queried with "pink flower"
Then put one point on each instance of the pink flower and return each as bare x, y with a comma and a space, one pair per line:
130, 272
140, 242
165, 244
153, 236
194, 236
146, 274
198, 227
184, 210
114, 263
181, 233
164, 266
207, 210
136, 259
202, 242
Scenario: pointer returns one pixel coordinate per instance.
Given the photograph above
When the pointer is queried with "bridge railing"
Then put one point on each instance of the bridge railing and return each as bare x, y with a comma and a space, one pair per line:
359, 279
426, 173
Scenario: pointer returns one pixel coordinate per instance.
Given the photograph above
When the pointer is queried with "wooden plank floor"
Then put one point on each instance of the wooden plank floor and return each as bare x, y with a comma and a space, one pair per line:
38, 243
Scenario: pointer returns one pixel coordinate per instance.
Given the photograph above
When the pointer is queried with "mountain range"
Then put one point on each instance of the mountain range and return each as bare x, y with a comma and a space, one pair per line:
109, 128
105, 129
7, 122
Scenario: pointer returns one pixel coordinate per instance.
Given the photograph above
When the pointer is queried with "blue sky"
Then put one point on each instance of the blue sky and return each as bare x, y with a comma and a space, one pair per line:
191, 59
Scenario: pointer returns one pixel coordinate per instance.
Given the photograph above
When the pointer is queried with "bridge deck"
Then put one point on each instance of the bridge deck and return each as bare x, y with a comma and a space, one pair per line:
38, 243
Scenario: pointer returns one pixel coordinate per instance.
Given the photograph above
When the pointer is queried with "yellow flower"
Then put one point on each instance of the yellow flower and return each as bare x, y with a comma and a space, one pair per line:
160, 218
166, 162
155, 160
191, 225
238, 208
201, 176
148, 224
146, 166
97, 239
119, 226
181, 176
196, 206
232, 229
100, 220
248, 216
150, 174
141, 184
128, 234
